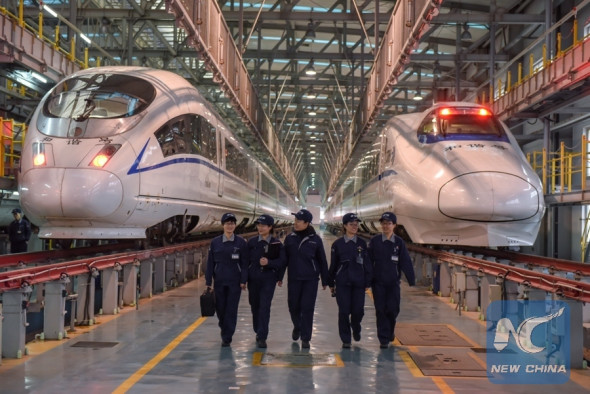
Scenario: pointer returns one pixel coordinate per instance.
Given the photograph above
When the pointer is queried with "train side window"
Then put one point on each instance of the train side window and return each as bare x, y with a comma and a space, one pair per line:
171, 138
203, 137
235, 161
269, 187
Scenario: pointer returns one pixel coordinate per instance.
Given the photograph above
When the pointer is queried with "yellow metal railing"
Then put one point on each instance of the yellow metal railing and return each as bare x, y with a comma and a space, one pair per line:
563, 170
12, 136
68, 49
505, 82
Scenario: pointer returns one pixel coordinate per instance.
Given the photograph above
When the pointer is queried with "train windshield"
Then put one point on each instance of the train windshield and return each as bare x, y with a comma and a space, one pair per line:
460, 123
94, 97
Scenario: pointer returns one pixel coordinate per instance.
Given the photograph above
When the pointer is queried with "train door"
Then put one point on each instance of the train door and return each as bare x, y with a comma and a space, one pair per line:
385, 162
221, 155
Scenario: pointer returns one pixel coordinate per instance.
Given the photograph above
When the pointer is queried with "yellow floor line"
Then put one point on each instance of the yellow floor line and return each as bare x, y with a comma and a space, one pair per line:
442, 385
126, 385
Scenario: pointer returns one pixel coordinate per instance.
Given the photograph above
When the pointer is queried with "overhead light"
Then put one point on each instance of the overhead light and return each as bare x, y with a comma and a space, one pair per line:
312, 112
309, 69
312, 126
310, 33
39, 77
311, 94
85, 38
436, 69
50, 11
418, 96
466, 35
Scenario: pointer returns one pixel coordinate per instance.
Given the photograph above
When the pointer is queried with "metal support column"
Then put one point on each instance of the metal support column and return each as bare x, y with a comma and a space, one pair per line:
471, 291
55, 308
180, 267
110, 290
15, 322
145, 275
86, 292
445, 279
130, 283
487, 294
159, 274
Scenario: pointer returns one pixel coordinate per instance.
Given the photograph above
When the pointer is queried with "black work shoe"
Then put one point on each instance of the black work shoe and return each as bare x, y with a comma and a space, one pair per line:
261, 343
356, 336
305, 344
295, 334
346, 345
384, 345
225, 343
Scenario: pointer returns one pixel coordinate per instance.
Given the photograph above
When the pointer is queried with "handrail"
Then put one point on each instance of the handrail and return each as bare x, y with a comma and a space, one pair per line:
12, 134
568, 288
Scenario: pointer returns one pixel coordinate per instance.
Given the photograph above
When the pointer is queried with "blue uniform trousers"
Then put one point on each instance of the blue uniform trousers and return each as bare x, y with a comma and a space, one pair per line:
261, 289
351, 309
227, 299
301, 300
387, 302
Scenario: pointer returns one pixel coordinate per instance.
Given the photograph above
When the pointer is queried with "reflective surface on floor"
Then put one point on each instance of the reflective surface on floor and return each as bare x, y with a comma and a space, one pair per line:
165, 346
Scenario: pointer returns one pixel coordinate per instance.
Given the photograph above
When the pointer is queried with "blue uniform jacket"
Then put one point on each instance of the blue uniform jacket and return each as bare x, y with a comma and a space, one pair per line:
350, 263
258, 249
227, 262
19, 231
390, 259
306, 258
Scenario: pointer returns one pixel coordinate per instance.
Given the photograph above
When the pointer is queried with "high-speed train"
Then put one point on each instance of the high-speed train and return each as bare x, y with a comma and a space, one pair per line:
131, 152
453, 174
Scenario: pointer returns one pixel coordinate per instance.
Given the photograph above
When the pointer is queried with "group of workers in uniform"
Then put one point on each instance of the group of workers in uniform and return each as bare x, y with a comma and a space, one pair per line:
260, 265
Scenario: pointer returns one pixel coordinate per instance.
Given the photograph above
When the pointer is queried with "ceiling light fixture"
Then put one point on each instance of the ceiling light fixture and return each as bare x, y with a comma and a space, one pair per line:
310, 33
309, 69
466, 35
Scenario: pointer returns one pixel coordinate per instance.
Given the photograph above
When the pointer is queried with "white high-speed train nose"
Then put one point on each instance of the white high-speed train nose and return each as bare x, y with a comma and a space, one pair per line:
71, 193
489, 196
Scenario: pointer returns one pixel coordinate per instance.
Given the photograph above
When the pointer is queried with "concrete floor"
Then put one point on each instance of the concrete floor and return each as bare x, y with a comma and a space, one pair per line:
166, 346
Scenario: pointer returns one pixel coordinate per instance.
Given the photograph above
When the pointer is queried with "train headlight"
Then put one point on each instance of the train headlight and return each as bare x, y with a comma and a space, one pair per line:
104, 155
39, 158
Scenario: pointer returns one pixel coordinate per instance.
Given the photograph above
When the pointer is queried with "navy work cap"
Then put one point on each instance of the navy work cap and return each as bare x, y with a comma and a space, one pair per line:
303, 214
228, 217
350, 217
388, 216
265, 219
17, 210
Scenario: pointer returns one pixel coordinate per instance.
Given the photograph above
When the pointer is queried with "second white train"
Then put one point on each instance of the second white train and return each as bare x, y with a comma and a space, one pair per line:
453, 175
130, 152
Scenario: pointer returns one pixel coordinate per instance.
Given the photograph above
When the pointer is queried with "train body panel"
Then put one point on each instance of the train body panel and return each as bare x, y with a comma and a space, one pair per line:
127, 149
468, 184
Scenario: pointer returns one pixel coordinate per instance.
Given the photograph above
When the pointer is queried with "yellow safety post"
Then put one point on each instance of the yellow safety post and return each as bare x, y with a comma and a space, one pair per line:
85, 57
98, 62
508, 82
491, 94
575, 32
584, 161
544, 173
72, 54
56, 43
561, 164
558, 45
570, 170
21, 13
499, 87
545, 56
40, 25
519, 73
585, 233
531, 63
